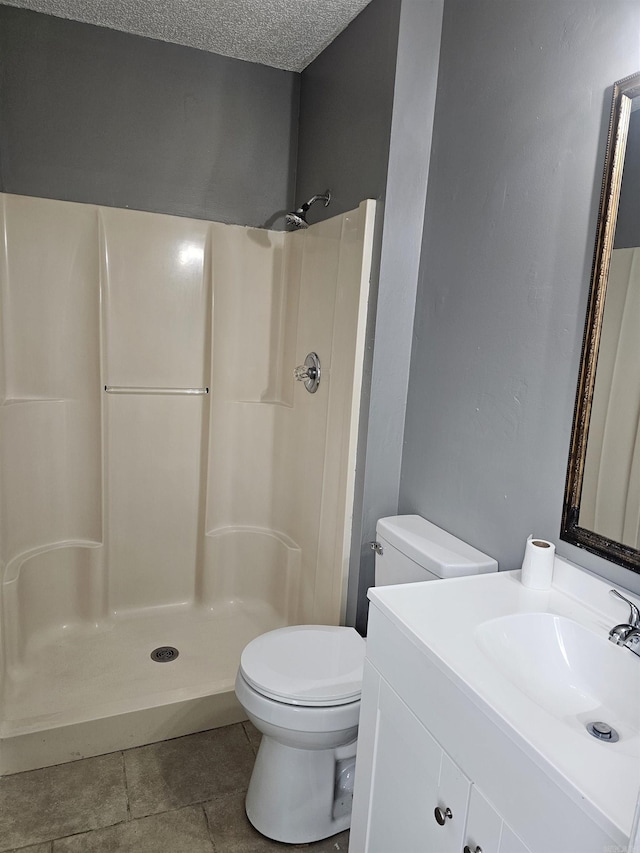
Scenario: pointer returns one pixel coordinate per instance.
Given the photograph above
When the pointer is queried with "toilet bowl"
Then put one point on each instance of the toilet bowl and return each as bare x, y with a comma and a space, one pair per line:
300, 686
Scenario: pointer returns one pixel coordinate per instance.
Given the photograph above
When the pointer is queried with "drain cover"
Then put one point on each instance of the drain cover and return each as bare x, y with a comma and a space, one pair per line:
164, 654
603, 731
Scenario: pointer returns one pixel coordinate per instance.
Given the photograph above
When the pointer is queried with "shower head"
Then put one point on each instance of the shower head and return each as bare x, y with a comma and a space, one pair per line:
297, 218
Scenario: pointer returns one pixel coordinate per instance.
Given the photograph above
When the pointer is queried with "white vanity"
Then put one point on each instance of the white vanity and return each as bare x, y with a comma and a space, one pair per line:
476, 696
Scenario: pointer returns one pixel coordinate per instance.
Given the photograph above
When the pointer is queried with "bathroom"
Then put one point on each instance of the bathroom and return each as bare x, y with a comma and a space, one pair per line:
468, 418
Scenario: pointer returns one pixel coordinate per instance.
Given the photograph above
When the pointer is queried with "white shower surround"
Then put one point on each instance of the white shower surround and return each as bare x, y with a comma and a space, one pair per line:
130, 521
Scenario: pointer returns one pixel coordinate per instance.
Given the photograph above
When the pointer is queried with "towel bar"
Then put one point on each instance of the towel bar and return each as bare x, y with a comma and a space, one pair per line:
143, 389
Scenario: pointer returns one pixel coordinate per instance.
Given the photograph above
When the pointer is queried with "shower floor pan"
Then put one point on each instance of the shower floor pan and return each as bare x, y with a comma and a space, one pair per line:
85, 691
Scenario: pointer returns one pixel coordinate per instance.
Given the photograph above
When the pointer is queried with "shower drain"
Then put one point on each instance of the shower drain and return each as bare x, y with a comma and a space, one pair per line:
164, 654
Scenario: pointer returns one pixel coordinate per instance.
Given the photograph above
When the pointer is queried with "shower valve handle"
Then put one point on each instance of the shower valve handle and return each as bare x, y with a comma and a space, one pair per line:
303, 372
309, 373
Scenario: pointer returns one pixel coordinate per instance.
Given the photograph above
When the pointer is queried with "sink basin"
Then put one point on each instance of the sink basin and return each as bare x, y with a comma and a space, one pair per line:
567, 669
539, 665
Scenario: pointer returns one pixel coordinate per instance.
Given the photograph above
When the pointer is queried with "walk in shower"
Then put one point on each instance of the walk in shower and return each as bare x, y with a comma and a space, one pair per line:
164, 479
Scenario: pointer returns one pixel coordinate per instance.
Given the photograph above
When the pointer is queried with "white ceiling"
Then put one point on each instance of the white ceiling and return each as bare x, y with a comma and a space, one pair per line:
286, 34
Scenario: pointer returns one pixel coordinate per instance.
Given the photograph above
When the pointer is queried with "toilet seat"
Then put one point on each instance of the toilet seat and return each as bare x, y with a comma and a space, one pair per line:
313, 665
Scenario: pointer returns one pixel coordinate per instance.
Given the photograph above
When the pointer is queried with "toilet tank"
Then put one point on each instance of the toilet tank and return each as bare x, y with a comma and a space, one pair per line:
409, 548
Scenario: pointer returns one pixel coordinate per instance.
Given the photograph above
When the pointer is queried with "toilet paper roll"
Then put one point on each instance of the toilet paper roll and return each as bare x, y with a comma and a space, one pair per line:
537, 566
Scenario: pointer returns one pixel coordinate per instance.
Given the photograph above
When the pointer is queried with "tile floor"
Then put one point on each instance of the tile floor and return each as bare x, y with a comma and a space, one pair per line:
177, 796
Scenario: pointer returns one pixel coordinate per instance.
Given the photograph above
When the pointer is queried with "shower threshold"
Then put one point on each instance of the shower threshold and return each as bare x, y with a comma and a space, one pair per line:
83, 691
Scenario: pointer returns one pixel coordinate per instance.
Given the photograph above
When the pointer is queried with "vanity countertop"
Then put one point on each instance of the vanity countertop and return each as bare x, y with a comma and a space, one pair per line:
540, 665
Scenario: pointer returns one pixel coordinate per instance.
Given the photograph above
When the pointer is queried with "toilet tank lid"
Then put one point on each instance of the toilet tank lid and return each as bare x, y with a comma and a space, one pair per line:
433, 548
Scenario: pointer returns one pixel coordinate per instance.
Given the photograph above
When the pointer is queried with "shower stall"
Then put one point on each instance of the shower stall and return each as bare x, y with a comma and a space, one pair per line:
165, 481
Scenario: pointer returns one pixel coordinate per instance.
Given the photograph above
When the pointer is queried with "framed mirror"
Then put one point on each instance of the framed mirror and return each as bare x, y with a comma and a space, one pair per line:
602, 497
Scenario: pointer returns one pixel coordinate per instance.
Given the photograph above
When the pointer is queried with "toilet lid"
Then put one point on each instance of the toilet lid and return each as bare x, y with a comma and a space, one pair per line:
306, 665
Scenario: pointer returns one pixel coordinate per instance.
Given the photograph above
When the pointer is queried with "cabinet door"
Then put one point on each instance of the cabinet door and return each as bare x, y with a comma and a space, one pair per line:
453, 794
487, 831
484, 825
510, 843
412, 778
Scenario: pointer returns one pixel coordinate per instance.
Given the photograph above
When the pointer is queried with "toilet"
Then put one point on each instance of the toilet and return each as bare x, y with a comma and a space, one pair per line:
300, 687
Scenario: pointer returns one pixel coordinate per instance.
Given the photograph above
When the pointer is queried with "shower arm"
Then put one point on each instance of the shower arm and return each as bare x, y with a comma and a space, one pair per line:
325, 197
297, 217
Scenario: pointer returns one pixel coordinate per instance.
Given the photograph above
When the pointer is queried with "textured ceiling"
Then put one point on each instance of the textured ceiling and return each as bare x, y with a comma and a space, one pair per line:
286, 34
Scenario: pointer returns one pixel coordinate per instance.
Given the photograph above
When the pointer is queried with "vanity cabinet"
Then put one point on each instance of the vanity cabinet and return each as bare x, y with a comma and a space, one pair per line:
413, 777
420, 801
425, 745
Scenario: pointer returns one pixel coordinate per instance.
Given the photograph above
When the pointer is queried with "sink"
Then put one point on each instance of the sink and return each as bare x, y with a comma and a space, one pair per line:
539, 665
567, 669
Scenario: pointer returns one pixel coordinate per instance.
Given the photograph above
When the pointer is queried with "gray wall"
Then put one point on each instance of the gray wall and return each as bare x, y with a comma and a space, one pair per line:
346, 100
628, 224
520, 131
92, 115
408, 169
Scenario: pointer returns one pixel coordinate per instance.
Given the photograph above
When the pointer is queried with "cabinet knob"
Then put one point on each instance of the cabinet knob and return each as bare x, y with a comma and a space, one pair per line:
467, 849
441, 815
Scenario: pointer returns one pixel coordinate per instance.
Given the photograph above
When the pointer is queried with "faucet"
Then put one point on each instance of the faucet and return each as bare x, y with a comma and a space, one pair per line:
628, 633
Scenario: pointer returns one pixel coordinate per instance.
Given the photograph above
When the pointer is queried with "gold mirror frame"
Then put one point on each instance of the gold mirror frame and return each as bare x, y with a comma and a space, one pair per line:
623, 93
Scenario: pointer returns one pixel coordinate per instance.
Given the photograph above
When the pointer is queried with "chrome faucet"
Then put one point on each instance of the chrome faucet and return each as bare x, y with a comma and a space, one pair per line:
628, 633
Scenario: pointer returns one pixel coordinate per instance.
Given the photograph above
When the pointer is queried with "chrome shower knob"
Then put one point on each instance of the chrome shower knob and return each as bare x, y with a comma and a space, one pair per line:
309, 373
303, 373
